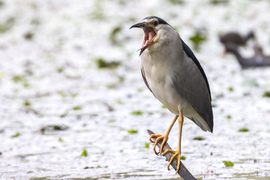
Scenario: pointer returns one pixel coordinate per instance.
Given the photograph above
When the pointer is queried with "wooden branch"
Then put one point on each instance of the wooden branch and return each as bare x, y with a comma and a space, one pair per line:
183, 171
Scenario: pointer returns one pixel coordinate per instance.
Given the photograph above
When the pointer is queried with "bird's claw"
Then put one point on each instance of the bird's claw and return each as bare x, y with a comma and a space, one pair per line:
177, 155
153, 136
158, 137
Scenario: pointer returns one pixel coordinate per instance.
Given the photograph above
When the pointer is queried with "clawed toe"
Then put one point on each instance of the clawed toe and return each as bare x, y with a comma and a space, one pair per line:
158, 137
177, 155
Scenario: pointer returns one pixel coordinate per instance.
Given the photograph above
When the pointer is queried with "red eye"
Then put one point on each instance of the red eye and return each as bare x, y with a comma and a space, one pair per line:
155, 23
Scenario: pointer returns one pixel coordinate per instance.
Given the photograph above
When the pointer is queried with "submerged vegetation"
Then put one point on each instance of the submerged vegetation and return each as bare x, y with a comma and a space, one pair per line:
101, 63
228, 163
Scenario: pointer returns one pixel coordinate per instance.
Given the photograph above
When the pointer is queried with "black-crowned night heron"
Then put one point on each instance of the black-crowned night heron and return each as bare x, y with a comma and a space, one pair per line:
173, 74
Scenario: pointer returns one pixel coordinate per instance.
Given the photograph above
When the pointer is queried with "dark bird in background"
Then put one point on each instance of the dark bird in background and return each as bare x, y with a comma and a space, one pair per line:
233, 40
257, 60
236, 38
258, 51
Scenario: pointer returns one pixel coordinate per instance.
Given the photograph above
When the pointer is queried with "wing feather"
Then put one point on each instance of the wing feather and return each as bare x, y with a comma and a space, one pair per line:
195, 90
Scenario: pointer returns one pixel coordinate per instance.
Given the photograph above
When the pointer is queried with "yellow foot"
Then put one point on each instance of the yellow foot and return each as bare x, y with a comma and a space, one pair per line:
159, 137
177, 155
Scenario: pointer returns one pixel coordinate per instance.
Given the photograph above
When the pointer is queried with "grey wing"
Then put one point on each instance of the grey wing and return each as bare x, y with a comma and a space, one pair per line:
192, 84
144, 79
195, 91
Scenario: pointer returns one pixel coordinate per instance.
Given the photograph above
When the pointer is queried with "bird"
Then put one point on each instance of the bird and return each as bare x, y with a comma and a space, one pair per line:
258, 51
173, 74
236, 38
257, 60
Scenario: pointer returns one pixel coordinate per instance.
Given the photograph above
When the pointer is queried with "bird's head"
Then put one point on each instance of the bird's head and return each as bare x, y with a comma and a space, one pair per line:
151, 26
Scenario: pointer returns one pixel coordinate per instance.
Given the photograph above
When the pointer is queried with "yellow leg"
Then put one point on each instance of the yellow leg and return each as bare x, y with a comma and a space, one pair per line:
164, 137
177, 153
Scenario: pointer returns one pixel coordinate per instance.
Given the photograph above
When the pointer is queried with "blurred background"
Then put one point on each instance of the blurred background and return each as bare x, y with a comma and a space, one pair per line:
74, 105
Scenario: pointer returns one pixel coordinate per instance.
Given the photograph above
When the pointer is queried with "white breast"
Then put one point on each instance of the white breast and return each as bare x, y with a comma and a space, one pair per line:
159, 63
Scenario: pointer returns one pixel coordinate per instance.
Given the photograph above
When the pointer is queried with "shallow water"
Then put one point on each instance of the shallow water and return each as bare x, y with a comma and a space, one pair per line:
56, 102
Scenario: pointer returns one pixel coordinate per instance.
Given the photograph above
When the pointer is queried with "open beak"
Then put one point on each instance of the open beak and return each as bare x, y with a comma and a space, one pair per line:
150, 33
139, 25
